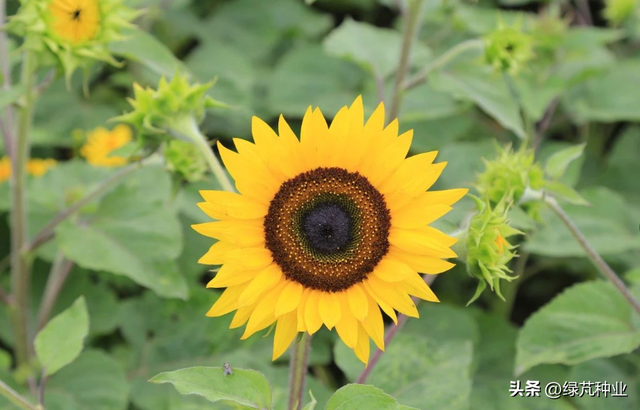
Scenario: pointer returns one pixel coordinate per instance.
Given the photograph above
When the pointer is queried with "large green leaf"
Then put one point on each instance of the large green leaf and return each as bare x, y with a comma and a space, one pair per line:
358, 397
62, 339
144, 48
375, 49
485, 88
602, 370
558, 163
94, 381
245, 387
131, 233
587, 321
418, 371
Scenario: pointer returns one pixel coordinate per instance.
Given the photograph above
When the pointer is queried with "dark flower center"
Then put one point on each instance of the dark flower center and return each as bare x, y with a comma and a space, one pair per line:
327, 228
75, 15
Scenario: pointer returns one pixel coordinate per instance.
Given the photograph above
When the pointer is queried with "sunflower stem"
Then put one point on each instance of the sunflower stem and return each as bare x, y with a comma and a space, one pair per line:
595, 257
298, 371
20, 269
188, 127
57, 276
6, 124
414, 12
15, 398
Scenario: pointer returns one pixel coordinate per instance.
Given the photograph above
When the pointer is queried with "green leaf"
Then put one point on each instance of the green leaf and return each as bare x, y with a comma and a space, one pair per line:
375, 49
245, 387
562, 191
587, 321
418, 371
94, 381
601, 370
485, 88
11, 96
144, 48
312, 404
61, 340
557, 164
359, 397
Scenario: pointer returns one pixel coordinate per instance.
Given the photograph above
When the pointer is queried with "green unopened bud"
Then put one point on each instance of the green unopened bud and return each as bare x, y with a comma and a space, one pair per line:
167, 111
185, 159
509, 175
616, 11
488, 250
508, 49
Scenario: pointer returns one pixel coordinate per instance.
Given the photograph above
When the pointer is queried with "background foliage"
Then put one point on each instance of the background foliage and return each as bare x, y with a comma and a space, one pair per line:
135, 256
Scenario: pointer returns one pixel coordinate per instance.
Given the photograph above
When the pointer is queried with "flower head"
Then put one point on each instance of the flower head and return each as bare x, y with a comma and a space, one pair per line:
38, 166
508, 48
72, 33
101, 142
488, 251
174, 105
5, 169
185, 159
327, 229
509, 175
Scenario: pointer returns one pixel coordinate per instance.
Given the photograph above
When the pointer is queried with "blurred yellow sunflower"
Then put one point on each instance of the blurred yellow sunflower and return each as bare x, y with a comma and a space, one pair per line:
328, 229
35, 166
75, 20
101, 142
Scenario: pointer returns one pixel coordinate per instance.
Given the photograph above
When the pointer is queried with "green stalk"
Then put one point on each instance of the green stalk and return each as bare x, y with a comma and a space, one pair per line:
15, 398
188, 127
408, 38
298, 371
20, 263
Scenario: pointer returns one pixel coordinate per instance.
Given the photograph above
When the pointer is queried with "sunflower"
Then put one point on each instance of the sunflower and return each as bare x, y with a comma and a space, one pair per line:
101, 142
38, 166
75, 20
329, 229
5, 169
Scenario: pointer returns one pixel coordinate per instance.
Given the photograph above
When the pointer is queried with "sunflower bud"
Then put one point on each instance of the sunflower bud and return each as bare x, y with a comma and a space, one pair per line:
168, 111
508, 49
71, 34
185, 159
488, 251
509, 175
616, 11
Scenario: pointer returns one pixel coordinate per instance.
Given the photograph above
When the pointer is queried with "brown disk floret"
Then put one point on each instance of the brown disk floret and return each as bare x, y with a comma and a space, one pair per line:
327, 228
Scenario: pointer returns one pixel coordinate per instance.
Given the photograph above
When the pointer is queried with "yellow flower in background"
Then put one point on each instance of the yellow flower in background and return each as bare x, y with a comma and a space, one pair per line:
75, 20
101, 142
38, 166
328, 229
5, 169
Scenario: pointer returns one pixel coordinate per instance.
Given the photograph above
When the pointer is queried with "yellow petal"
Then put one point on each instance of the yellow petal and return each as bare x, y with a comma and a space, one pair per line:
416, 215
420, 263
244, 173
243, 232
263, 314
214, 255
374, 324
424, 241
289, 299
241, 316
262, 283
232, 275
385, 157
419, 182
302, 327
394, 296
424, 199
290, 149
392, 270
227, 302
286, 331
224, 205
312, 318
386, 308
330, 311
250, 258
358, 301
416, 286
347, 326
362, 347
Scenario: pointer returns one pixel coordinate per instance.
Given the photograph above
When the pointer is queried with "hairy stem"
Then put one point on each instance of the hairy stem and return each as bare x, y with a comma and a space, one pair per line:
46, 233
20, 269
443, 60
597, 260
298, 371
57, 276
411, 26
6, 125
392, 331
189, 128
15, 398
